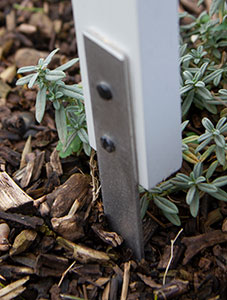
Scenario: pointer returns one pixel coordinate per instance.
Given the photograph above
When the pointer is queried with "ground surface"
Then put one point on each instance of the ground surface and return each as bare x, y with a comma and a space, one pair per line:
56, 268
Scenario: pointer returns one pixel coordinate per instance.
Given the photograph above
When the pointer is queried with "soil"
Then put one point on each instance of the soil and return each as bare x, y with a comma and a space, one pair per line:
55, 242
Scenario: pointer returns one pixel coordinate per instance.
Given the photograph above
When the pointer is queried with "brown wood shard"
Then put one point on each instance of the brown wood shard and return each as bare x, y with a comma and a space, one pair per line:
197, 243
62, 198
172, 290
12, 197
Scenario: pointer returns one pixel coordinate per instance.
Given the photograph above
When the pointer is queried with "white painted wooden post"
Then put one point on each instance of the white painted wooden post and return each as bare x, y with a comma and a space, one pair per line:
143, 35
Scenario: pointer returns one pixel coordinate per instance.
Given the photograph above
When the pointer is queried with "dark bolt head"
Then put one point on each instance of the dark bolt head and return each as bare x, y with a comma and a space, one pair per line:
104, 90
107, 144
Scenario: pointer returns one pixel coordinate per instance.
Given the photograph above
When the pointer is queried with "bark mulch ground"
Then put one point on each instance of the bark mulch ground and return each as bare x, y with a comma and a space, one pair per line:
55, 242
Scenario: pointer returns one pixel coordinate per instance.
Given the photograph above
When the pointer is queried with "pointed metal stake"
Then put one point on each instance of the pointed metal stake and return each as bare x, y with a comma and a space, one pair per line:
111, 108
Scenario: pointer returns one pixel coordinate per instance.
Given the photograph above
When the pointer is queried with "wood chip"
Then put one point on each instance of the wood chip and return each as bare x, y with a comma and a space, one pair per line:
126, 277
172, 290
14, 289
197, 243
23, 241
12, 197
82, 253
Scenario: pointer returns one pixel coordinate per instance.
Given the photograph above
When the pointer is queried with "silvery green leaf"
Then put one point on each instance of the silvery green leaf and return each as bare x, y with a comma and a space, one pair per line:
220, 181
189, 82
200, 179
70, 139
24, 79
223, 92
48, 59
83, 135
204, 93
68, 64
82, 119
221, 123
187, 102
203, 67
219, 140
203, 144
166, 185
60, 120
173, 218
54, 75
200, 84
207, 187
194, 206
179, 183
211, 108
212, 76
208, 152
184, 147
220, 153
211, 169
33, 80
156, 190
186, 58
223, 128
183, 49
87, 149
40, 104
40, 62
26, 69
56, 105
74, 87
217, 80
198, 169
184, 124
190, 139
185, 89
144, 203
207, 124
58, 95
220, 195
190, 194
183, 177
187, 75
72, 94
197, 76
217, 53
165, 205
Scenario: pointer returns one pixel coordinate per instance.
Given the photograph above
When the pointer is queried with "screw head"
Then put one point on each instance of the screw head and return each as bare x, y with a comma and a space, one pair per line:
107, 144
104, 90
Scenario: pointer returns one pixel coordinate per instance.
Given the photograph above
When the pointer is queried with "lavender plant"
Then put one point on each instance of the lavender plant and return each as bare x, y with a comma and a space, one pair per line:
67, 100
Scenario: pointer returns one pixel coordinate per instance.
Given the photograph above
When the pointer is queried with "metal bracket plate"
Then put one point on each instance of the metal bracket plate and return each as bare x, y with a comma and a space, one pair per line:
111, 108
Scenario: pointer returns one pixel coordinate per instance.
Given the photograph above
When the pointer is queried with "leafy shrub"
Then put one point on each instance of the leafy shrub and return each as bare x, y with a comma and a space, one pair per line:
203, 62
67, 100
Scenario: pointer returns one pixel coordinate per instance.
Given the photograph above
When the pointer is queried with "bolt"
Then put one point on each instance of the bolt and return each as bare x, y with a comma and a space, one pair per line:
104, 90
107, 144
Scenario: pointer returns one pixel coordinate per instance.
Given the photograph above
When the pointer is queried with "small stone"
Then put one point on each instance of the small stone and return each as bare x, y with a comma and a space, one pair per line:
23, 241
27, 28
224, 225
43, 23
28, 57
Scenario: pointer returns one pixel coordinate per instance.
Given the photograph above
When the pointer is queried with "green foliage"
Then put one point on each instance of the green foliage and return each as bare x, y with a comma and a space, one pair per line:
67, 101
203, 63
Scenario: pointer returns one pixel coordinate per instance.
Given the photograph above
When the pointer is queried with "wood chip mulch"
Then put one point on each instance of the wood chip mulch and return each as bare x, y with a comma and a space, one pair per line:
55, 242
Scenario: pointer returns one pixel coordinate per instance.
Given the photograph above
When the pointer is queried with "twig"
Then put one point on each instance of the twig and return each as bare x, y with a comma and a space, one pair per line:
171, 257
64, 273
95, 183
156, 220
85, 292
124, 290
